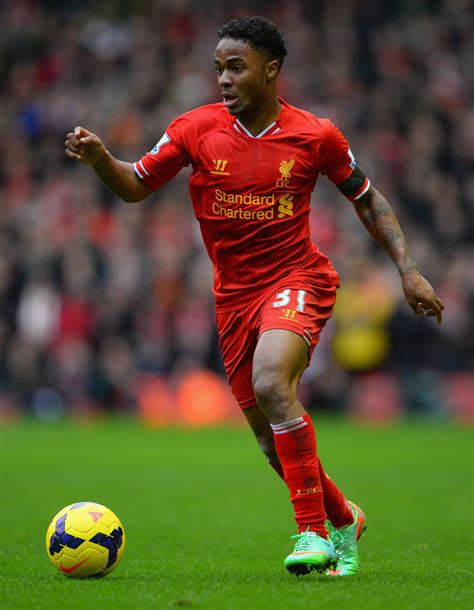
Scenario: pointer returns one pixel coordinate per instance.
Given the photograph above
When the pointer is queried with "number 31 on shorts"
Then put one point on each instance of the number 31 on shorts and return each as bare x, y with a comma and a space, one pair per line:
283, 298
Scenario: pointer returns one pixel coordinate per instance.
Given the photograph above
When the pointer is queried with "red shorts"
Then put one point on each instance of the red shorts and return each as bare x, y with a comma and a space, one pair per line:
296, 303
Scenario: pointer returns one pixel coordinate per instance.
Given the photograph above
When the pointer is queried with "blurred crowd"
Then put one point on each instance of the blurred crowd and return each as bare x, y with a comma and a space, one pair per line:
98, 297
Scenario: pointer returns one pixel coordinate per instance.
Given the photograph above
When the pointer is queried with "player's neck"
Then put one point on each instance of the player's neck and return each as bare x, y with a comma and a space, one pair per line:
258, 121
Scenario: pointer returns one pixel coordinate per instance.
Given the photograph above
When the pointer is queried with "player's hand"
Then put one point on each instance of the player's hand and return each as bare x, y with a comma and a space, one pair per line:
84, 146
421, 296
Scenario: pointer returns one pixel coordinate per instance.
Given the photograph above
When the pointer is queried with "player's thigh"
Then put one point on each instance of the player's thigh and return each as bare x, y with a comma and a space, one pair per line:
291, 321
279, 360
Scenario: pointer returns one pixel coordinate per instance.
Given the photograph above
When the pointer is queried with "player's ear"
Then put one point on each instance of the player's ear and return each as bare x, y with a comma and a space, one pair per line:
272, 69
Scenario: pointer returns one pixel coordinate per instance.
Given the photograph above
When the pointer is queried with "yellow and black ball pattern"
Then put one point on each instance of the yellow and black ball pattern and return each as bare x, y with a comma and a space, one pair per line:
85, 539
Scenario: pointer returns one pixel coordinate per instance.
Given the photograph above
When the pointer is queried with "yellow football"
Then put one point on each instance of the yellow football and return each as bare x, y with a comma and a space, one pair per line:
85, 539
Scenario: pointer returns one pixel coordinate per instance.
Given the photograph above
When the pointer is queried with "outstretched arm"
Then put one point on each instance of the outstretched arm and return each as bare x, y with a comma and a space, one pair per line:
380, 221
118, 176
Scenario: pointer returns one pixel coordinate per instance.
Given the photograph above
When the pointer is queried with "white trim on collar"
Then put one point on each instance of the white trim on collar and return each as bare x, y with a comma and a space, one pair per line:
262, 133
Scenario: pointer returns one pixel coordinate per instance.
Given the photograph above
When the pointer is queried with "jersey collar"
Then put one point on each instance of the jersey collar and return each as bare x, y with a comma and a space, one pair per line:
270, 130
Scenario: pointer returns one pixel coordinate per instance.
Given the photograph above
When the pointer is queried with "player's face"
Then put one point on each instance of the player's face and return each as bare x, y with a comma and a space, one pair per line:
244, 76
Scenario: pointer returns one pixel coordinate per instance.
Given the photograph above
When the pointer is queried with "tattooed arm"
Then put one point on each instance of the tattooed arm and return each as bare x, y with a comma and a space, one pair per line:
380, 221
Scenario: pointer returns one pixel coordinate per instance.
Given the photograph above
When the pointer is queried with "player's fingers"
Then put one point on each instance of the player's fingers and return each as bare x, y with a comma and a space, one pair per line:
70, 144
432, 309
439, 303
80, 132
71, 138
438, 312
416, 307
72, 155
73, 149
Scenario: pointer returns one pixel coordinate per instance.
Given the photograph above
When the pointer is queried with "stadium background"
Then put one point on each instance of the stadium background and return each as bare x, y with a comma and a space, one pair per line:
107, 306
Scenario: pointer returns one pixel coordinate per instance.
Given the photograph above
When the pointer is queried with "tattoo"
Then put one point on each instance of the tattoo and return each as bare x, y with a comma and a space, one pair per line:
380, 221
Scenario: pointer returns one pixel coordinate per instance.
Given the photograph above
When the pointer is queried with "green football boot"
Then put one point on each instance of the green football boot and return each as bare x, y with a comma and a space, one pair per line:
345, 542
311, 552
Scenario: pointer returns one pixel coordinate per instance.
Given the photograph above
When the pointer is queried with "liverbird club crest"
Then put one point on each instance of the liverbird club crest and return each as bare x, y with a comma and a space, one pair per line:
285, 171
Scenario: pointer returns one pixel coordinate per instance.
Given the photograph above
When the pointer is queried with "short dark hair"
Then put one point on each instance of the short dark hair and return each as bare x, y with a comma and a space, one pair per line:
260, 33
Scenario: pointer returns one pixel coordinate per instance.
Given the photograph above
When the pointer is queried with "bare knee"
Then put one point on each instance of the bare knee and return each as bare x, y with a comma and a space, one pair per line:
279, 361
271, 390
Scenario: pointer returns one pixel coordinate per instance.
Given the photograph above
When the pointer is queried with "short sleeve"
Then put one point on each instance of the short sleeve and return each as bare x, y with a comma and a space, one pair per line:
336, 159
166, 158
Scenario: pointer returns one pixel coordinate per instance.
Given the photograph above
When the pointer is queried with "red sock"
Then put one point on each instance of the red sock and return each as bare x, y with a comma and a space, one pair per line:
295, 444
336, 506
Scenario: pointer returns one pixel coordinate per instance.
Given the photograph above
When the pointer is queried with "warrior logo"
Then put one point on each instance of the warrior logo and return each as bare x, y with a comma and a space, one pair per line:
288, 314
219, 167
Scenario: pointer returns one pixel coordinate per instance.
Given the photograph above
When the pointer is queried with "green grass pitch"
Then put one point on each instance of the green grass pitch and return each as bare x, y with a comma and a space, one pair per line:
208, 522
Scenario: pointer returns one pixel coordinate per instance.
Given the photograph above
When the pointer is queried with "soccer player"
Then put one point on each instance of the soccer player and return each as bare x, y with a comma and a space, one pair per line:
255, 161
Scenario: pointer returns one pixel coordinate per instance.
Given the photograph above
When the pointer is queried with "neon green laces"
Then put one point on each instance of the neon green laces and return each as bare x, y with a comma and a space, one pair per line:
342, 541
305, 541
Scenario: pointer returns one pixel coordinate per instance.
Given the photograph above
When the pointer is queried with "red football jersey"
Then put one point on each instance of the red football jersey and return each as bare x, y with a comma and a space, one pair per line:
251, 195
